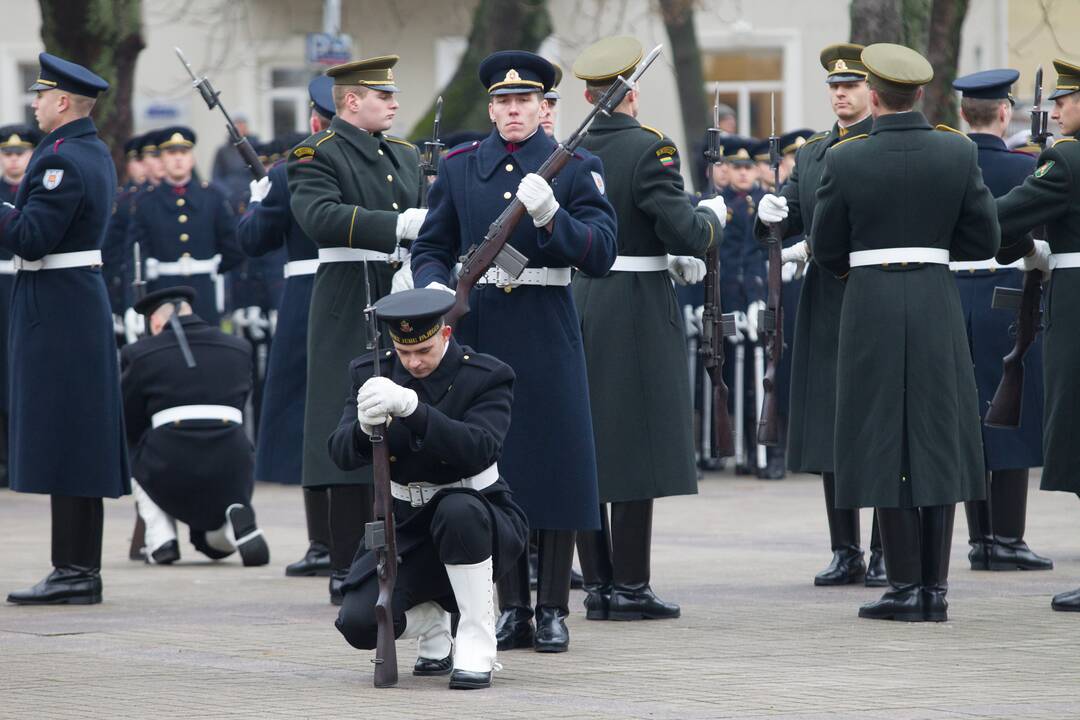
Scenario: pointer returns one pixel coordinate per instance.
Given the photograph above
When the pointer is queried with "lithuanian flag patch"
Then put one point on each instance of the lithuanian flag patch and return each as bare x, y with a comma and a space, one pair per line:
667, 161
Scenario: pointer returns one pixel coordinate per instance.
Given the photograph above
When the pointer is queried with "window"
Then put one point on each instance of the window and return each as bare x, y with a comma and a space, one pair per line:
748, 79
28, 74
288, 99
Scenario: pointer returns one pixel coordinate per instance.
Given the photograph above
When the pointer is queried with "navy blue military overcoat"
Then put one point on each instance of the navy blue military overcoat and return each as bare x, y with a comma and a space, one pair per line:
67, 426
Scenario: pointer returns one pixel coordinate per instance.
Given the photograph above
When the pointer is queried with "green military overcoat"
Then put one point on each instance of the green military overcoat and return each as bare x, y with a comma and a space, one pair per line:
632, 326
1051, 196
348, 187
812, 410
907, 414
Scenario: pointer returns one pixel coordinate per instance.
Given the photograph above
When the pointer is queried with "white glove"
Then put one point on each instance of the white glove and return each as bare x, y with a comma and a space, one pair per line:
254, 322
797, 253
694, 319
686, 269
382, 396
718, 206
259, 189
790, 271
370, 419
752, 316
772, 209
403, 279
538, 198
409, 223
134, 325
1039, 259
439, 286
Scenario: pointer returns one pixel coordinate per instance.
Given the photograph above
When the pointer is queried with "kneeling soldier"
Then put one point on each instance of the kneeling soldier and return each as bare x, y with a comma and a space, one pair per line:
184, 390
457, 525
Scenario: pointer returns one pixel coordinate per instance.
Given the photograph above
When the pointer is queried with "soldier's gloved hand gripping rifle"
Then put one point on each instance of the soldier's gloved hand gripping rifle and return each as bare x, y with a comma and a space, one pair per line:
771, 321
1005, 407
495, 249
212, 98
715, 326
379, 535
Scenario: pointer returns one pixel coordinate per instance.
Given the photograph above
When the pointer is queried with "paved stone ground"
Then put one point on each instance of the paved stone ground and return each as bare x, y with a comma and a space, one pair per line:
756, 639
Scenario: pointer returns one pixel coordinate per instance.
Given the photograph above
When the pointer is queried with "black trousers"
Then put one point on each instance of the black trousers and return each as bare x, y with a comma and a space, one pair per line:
555, 557
317, 514
77, 526
619, 552
351, 507
1005, 514
461, 534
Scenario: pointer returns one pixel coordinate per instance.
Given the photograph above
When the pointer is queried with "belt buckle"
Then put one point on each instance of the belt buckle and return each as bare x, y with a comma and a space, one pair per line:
416, 495
185, 265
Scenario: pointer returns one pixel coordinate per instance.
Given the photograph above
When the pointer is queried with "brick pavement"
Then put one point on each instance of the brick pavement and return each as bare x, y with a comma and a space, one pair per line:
756, 639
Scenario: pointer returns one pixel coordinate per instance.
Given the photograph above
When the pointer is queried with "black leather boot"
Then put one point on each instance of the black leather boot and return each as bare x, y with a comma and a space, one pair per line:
77, 525
351, 507
937, 530
901, 545
980, 535
594, 552
632, 598
847, 565
553, 591
1008, 505
316, 561
1062, 602
875, 568
514, 628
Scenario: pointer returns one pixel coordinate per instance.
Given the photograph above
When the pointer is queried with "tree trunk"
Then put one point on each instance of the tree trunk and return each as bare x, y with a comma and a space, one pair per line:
874, 21
946, 23
678, 18
497, 25
106, 37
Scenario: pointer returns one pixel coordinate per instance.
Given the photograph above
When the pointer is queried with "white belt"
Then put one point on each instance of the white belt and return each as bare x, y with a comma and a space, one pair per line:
294, 268
902, 256
225, 413
558, 277
973, 265
342, 254
7, 267
420, 493
184, 267
1061, 261
646, 263
59, 261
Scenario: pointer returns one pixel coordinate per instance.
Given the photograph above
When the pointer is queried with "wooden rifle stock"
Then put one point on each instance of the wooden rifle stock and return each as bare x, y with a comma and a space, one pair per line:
711, 349
772, 318
1007, 403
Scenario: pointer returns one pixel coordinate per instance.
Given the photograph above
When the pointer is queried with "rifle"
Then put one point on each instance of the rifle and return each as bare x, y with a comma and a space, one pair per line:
429, 165
715, 326
212, 98
379, 536
138, 286
771, 320
495, 249
1007, 403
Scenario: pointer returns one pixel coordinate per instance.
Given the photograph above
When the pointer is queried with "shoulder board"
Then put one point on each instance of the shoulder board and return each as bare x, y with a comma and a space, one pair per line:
1064, 140
329, 134
472, 358
399, 141
814, 138
472, 146
653, 131
946, 128
847, 140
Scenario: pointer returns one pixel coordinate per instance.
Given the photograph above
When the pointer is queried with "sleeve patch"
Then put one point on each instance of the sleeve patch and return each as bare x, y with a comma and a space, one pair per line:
599, 180
52, 178
667, 161
303, 151
666, 150
1043, 169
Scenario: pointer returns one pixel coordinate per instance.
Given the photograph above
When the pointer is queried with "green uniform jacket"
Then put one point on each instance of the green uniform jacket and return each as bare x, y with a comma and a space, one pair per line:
1051, 196
347, 187
907, 411
812, 410
632, 326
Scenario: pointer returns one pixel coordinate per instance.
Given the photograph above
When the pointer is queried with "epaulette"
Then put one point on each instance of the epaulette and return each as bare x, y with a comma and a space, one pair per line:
1064, 140
472, 146
653, 131
480, 360
399, 141
814, 138
847, 140
329, 134
943, 126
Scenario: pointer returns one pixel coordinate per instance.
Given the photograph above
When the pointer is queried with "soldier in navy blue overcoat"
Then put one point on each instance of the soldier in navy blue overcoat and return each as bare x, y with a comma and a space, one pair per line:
531, 324
65, 381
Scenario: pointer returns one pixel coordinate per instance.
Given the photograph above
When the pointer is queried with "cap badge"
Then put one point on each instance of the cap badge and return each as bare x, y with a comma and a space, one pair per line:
177, 138
406, 326
840, 65
512, 76
389, 75
800, 141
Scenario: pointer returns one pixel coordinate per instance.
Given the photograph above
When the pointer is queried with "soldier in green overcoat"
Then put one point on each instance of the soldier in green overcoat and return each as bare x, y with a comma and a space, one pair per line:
893, 208
812, 410
354, 192
1051, 197
635, 345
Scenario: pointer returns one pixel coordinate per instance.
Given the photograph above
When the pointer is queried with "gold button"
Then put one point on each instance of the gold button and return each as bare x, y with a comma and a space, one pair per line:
466, 357
182, 218
394, 205
184, 237
180, 202
508, 289
393, 458
506, 196
509, 167
185, 255
389, 178
380, 151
